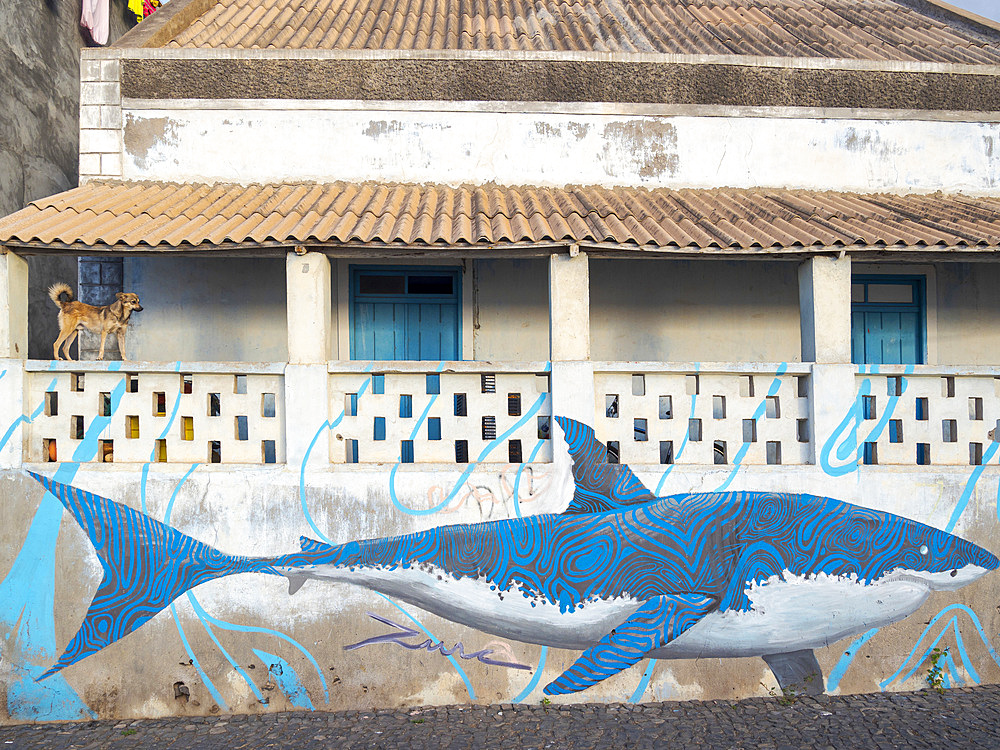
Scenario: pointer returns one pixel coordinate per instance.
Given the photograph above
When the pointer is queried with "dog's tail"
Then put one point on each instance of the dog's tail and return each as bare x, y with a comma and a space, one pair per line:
57, 290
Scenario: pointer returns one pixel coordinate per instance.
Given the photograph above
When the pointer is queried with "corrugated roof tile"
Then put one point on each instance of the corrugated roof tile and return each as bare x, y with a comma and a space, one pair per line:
129, 214
874, 29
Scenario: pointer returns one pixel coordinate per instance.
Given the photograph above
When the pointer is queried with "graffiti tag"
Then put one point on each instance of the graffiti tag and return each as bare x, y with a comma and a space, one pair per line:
400, 640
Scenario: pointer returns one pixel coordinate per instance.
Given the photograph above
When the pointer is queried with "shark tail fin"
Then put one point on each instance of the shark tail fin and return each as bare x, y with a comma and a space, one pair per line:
146, 564
600, 486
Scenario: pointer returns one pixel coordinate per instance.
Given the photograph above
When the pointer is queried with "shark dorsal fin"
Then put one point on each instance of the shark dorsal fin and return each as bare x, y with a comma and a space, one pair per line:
599, 486
311, 545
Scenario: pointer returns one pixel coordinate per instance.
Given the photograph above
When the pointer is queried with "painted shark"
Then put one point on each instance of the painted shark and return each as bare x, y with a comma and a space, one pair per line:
620, 575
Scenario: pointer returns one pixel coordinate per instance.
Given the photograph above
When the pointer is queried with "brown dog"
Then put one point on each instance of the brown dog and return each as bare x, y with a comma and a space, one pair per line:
74, 315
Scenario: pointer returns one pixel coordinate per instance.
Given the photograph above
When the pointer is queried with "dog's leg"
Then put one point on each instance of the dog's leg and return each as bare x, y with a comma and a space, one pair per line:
121, 343
55, 347
104, 337
69, 342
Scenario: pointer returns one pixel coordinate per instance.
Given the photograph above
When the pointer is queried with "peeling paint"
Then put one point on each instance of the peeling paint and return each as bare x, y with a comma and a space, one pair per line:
546, 130
142, 135
648, 146
379, 128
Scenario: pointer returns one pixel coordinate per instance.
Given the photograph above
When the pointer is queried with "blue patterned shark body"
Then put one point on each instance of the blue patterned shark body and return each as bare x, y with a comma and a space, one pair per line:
620, 575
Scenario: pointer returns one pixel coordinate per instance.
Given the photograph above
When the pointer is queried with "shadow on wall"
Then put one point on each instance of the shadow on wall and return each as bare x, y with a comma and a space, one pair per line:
208, 310
40, 89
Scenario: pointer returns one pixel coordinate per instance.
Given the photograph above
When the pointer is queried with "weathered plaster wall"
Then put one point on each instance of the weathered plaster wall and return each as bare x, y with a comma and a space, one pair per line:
491, 76
968, 313
329, 141
208, 309
511, 319
261, 512
689, 311
40, 47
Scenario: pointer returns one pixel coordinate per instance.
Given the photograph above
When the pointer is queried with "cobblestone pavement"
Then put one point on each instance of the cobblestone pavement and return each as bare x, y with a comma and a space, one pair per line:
962, 718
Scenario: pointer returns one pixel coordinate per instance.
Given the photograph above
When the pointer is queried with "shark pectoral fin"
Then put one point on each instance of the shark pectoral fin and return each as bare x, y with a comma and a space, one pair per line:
797, 672
294, 582
652, 626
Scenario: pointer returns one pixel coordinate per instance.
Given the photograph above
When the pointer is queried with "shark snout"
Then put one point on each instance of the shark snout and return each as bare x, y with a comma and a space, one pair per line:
966, 563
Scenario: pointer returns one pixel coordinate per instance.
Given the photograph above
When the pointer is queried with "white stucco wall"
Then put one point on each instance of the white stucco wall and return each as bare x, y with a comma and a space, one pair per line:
226, 309
655, 310
968, 313
268, 141
694, 311
512, 320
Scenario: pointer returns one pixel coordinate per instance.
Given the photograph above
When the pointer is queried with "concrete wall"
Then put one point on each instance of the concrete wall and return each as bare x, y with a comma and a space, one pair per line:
655, 310
968, 313
689, 311
172, 665
511, 317
226, 309
231, 142
40, 46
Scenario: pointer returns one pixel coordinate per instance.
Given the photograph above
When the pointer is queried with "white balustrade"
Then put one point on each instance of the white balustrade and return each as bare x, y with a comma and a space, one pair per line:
927, 415
144, 412
429, 412
657, 413
475, 412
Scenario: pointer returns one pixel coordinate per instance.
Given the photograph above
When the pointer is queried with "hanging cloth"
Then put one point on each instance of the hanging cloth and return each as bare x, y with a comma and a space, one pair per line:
142, 8
95, 19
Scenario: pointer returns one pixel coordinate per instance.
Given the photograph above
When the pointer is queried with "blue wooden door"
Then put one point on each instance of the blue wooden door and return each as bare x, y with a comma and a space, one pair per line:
405, 313
887, 320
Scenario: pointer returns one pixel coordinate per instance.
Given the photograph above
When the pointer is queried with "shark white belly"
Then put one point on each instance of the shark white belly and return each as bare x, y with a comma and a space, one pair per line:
477, 603
794, 613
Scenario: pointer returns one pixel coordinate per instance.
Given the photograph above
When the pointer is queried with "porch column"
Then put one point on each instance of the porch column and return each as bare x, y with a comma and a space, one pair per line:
307, 278
825, 309
825, 321
13, 352
569, 337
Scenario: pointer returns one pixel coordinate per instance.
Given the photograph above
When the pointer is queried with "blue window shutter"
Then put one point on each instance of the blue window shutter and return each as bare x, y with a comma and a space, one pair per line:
391, 323
888, 332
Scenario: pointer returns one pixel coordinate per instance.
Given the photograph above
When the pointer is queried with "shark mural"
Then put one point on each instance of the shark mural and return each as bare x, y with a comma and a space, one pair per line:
619, 575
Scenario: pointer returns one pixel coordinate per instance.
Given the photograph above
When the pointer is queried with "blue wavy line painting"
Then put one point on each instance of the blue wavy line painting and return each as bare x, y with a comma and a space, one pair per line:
620, 575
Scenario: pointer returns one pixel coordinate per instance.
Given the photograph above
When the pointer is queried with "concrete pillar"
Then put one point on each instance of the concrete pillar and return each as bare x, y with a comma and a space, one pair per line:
13, 306
825, 309
307, 396
569, 308
572, 379
12, 386
831, 398
307, 278
825, 319
307, 409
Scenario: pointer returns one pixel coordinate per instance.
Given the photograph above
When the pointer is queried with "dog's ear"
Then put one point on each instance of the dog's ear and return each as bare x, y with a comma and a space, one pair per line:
120, 296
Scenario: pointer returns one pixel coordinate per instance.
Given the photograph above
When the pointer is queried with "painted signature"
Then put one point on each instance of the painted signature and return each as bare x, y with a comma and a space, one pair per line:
400, 640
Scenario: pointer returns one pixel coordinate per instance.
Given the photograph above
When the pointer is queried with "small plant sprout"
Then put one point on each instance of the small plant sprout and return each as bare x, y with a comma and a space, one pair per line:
935, 674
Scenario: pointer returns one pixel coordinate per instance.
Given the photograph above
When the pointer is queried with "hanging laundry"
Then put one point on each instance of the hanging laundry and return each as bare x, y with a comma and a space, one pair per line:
142, 8
95, 19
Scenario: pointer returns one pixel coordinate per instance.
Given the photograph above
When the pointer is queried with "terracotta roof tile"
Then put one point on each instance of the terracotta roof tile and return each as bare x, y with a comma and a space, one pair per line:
123, 215
847, 29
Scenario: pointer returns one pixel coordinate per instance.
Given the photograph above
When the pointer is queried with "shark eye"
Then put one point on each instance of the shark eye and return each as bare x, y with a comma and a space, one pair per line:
923, 549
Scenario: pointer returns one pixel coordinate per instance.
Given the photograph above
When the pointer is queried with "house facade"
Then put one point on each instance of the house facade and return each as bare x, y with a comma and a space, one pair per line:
752, 244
